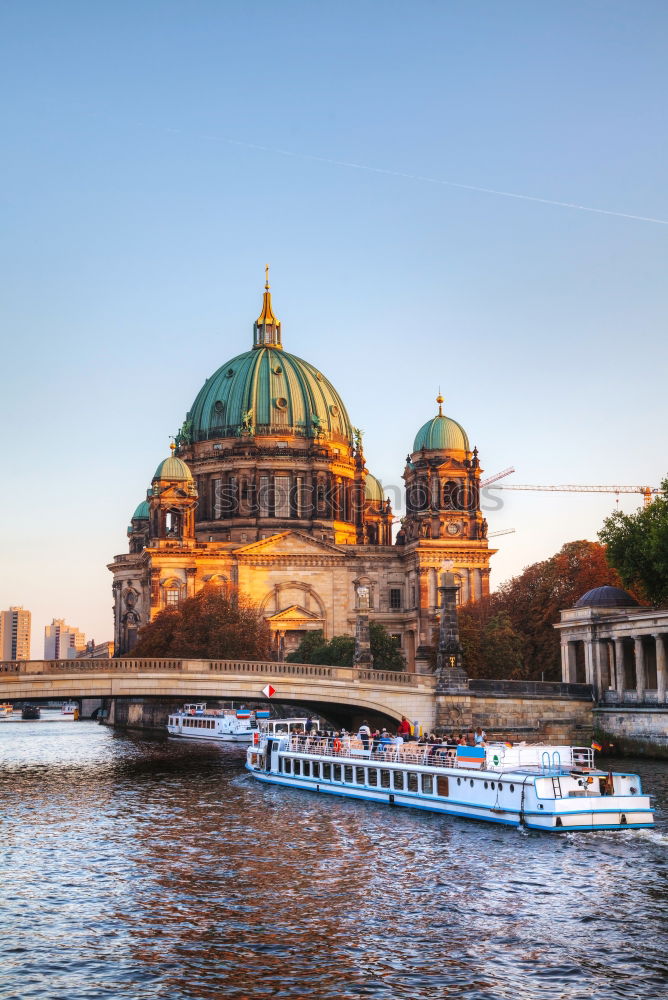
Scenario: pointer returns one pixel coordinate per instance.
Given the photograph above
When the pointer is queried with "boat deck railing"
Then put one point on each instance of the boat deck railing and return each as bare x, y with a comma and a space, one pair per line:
439, 755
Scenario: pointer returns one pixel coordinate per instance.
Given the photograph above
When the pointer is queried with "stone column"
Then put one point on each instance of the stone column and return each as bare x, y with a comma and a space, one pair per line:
589, 662
640, 668
619, 666
612, 682
572, 663
597, 671
564, 662
450, 674
660, 668
362, 656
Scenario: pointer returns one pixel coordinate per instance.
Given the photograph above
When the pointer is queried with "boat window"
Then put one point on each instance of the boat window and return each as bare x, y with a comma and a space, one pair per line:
315, 768
492, 785
372, 776
412, 782
500, 787
338, 772
359, 775
298, 767
384, 779
398, 780
487, 784
442, 785
348, 774
512, 788
427, 784
327, 772
472, 782
288, 765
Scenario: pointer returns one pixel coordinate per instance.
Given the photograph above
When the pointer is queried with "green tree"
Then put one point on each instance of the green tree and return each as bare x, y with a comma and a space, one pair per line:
214, 624
386, 653
637, 547
340, 650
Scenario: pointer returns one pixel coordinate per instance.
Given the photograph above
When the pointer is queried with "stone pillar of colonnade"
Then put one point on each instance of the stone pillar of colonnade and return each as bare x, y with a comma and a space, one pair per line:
619, 665
609, 651
660, 667
598, 652
589, 662
640, 667
572, 663
564, 662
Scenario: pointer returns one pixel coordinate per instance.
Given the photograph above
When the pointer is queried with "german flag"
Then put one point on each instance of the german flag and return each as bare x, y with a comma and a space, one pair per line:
596, 746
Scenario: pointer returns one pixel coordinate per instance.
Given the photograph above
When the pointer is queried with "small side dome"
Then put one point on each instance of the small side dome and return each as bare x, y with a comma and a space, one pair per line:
607, 597
173, 470
441, 433
373, 489
142, 511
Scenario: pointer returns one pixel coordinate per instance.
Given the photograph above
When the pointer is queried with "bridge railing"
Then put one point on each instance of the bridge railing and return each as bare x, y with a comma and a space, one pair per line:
254, 667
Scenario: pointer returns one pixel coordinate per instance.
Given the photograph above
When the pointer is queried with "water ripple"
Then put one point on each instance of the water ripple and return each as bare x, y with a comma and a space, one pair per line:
141, 868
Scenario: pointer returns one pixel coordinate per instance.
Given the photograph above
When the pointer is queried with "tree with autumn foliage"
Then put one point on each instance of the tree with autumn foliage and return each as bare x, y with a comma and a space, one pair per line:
510, 634
215, 624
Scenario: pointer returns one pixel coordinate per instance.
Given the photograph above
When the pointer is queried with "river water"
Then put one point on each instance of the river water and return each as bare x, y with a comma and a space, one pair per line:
138, 867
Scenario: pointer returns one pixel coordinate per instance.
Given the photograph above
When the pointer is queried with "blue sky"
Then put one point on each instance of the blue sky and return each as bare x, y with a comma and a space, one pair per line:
157, 155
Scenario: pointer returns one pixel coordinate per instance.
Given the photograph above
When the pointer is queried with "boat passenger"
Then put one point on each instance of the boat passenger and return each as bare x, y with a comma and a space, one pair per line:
480, 736
404, 728
309, 725
364, 734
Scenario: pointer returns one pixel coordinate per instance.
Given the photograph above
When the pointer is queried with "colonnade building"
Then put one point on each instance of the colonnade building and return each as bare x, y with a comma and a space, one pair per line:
267, 489
609, 641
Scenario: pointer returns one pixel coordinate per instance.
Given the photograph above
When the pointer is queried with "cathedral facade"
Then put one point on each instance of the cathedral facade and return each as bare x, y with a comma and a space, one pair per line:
266, 489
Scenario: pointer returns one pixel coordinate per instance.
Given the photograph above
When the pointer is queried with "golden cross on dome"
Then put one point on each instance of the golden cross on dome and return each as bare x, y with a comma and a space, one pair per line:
266, 276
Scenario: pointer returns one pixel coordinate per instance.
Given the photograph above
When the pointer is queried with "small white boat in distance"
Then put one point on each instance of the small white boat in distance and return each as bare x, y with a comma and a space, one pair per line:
540, 787
195, 722
68, 708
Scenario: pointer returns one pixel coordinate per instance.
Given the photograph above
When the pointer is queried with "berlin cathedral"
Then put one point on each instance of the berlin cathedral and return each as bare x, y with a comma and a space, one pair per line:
267, 489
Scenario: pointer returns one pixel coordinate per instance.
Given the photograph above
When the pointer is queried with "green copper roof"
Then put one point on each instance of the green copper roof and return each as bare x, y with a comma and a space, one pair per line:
441, 433
141, 511
173, 470
267, 391
373, 489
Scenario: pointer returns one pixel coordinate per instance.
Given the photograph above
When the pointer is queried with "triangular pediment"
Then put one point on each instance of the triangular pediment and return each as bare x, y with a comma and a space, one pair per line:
294, 614
289, 543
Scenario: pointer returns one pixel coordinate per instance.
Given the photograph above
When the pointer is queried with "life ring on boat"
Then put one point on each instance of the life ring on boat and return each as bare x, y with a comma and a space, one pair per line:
336, 746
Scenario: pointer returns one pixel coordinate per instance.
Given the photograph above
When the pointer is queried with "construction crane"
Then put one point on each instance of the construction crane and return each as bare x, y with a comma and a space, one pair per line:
496, 477
647, 492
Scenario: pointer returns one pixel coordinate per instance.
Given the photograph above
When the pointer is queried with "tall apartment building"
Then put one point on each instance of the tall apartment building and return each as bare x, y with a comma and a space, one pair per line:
62, 641
15, 634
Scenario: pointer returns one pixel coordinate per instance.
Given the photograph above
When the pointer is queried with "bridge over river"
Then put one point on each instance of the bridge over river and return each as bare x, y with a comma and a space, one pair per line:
147, 689
390, 694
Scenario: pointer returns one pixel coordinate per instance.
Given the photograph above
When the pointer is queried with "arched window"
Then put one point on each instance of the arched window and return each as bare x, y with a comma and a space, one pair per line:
172, 596
450, 495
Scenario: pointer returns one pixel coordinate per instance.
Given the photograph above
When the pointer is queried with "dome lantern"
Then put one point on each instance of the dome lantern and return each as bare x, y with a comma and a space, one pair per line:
267, 328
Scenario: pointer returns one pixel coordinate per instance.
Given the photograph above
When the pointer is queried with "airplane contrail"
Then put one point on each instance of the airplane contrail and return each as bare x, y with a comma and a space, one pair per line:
427, 179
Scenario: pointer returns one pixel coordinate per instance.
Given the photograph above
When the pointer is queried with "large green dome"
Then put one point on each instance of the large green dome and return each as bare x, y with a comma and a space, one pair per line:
441, 433
268, 391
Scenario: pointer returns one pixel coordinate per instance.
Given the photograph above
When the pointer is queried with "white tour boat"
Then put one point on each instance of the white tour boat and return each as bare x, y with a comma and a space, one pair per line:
194, 722
541, 787
68, 708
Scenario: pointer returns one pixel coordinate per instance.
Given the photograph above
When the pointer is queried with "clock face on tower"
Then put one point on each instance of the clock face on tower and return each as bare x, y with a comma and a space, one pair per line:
453, 529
